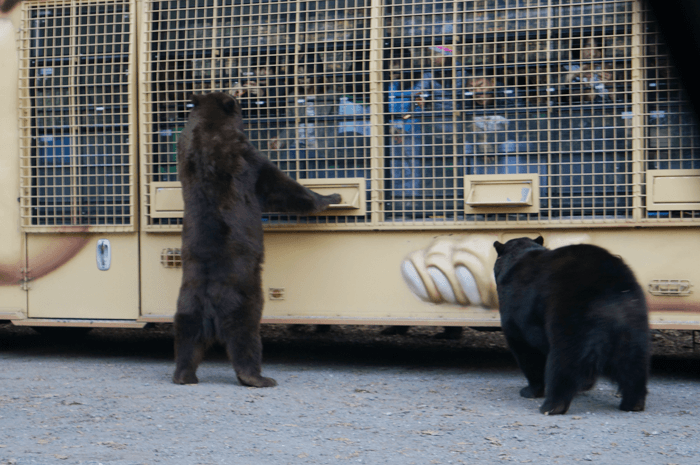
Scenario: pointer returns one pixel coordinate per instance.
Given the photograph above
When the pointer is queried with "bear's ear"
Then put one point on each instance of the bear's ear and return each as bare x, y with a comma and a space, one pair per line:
229, 106
540, 240
499, 247
195, 100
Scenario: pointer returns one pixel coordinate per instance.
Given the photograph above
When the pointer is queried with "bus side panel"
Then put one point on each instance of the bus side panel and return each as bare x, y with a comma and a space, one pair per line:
13, 300
355, 277
160, 285
77, 288
352, 276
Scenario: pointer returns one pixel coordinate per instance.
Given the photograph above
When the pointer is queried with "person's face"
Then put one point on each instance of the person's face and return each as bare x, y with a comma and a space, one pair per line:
482, 84
395, 69
438, 60
588, 52
481, 87
304, 79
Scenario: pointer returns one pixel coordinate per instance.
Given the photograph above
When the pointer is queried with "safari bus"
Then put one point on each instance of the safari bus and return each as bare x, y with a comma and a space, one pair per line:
445, 125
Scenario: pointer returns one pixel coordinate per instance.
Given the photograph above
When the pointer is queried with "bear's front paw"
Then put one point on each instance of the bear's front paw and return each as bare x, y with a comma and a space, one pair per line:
531, 392
632, 405
334, 199
554, 408
184, 377
257, 381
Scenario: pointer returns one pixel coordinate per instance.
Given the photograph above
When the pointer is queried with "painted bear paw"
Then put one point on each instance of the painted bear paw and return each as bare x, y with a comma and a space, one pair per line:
454, 271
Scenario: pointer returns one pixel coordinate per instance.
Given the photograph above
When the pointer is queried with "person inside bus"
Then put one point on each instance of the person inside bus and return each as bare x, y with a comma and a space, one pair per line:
405, 130
591, 79
490, 137
259, 92
352, 145
435, 93
307, 140
261, 96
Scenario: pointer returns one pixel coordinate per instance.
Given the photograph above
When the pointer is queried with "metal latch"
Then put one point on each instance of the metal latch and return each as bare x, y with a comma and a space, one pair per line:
671, 287
104, 254
24, 282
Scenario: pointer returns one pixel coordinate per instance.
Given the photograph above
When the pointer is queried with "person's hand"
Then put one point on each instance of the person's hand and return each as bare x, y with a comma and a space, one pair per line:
276, 143
397, 135
420, 102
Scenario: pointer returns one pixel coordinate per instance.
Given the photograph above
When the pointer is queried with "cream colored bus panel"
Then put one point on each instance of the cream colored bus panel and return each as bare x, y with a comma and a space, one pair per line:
446, 125
161, 273
13, 299
324, 277
70, 284
421, 278
673, 190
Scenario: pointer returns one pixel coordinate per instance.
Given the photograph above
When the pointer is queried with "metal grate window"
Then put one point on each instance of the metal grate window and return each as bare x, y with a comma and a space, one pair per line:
671, 136
477, 113
300, 70
76, 129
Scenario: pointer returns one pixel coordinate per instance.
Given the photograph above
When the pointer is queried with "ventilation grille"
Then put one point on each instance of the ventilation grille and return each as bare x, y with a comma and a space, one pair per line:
440, 94
76, 112
171, 258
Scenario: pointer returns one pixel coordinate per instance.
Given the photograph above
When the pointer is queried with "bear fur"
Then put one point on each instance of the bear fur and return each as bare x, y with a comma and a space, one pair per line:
569, 315
226, 186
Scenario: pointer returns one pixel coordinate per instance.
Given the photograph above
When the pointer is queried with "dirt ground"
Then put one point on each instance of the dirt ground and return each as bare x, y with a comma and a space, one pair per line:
347, 395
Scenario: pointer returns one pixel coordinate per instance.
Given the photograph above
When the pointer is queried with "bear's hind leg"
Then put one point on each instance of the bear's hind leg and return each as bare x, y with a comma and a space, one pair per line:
189, 348
631, 370
244, 346
245, 351
634, 396
532, 363
561, 385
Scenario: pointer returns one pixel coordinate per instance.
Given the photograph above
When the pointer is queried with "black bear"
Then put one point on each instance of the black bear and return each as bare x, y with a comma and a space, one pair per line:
226, 185
570, 315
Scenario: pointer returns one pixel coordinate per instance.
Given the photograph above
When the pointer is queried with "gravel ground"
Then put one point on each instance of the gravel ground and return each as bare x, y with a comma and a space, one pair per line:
349, 395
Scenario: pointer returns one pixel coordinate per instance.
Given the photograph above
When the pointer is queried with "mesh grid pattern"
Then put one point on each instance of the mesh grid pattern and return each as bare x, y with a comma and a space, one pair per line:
671, 139
438, 92
76, 139
299, 69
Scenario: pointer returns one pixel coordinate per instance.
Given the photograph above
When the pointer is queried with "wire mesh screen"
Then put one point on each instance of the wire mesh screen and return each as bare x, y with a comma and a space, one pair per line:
75, 99
510, 87
671, 137
577, 95
300, 70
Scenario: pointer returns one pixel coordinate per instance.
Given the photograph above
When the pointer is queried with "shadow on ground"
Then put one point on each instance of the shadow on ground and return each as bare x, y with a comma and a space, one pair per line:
342, 345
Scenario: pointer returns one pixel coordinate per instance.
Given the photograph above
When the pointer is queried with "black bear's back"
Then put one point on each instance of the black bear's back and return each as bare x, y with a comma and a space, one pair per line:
587, 284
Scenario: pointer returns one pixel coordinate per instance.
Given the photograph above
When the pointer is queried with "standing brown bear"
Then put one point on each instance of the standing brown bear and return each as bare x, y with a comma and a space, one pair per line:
226, 185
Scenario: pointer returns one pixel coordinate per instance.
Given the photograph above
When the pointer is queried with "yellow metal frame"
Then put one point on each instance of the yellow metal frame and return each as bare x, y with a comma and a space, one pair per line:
632, 48
346, 267
75, 222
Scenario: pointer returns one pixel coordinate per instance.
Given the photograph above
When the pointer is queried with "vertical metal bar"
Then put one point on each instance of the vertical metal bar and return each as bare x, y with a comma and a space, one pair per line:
294, 67
637, 111
134, 100
376, 111
25, 120
143, 116
73, 64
